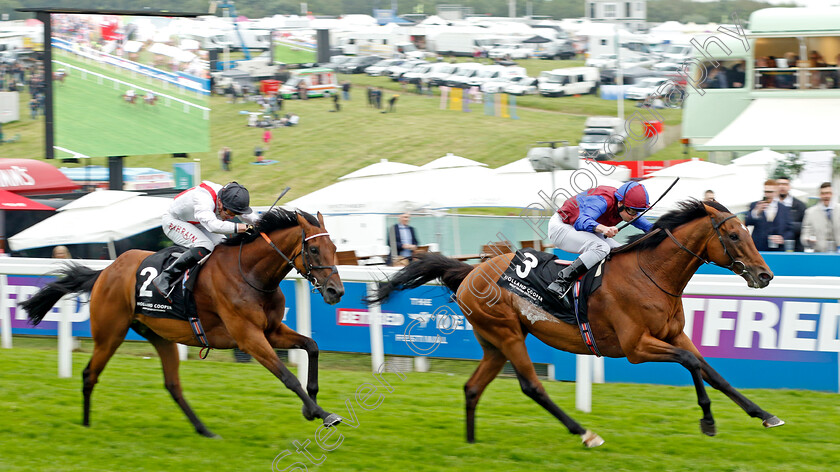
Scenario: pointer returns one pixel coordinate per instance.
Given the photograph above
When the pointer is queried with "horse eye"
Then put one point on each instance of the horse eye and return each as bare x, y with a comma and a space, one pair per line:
313, 250
733, 236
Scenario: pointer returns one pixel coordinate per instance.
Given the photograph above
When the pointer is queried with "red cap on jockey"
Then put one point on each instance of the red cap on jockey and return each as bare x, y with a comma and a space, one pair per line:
634, 195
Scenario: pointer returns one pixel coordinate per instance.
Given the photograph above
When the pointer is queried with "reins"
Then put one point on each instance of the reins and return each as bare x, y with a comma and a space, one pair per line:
716, 226
307, 265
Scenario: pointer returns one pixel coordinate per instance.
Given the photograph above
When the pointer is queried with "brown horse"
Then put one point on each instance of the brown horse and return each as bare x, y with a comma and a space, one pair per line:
636, 313
237, 298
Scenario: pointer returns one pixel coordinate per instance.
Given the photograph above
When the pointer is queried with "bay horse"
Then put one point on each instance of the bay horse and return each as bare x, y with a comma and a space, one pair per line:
636, 313
238, 303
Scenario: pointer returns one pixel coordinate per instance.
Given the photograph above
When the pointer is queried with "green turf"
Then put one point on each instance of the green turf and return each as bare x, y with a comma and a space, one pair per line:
93, 119
418, 427
289, 55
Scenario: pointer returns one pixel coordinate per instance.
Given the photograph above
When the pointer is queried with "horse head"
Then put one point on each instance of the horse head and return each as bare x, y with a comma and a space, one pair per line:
736, 250
319, 260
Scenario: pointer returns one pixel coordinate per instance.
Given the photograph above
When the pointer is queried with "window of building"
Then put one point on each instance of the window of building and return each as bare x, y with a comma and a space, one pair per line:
797, 63
727, 75
627, 13
609, 10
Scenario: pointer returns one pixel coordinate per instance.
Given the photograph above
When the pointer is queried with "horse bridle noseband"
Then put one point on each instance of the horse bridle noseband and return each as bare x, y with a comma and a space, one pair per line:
307, 264
736, 266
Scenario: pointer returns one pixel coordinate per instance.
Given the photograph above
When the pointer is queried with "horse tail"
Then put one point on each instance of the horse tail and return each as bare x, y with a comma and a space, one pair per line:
73, 278
424, 268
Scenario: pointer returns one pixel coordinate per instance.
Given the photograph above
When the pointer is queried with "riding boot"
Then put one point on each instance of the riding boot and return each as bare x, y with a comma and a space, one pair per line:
165, 282
564, 281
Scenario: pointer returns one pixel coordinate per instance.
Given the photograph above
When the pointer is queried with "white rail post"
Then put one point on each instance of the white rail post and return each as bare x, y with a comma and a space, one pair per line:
377, 349
583, 383
598, 370
5, 315
303, 309
65, 337
183, 352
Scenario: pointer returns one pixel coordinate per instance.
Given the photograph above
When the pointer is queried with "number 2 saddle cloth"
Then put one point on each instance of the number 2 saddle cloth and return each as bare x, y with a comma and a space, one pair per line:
153, 304
530, 273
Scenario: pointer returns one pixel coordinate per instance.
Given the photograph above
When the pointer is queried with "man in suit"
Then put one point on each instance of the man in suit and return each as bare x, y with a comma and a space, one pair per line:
796, 207
402, 239
770, 220
821, 224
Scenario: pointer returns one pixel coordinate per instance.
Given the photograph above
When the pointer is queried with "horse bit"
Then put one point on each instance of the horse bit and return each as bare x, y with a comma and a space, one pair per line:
735, 266
307, 264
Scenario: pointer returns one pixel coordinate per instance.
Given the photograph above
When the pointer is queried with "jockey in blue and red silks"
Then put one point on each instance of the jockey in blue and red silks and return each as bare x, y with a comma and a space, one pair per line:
585, 225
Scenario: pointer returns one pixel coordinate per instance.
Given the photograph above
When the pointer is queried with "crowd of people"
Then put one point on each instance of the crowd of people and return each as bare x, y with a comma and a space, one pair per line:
783, 223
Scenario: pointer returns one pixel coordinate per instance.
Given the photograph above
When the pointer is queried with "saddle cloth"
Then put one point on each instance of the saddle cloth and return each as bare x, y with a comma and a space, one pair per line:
531, 272
153, 304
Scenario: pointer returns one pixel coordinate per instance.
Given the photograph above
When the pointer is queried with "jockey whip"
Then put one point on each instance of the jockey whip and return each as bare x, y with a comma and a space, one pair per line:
278, 198
624, 225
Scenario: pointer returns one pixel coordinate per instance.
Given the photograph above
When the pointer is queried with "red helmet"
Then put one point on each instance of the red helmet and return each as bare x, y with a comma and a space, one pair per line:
634, 195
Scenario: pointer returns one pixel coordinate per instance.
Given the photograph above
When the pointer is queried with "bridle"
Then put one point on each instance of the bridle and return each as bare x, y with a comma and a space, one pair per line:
736, 266
306, 273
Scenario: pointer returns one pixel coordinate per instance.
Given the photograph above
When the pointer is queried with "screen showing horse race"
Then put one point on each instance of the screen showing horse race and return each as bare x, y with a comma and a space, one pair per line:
128, 85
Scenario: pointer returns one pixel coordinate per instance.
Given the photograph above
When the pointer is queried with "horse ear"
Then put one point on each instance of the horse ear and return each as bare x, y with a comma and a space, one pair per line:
321, 219
301, 220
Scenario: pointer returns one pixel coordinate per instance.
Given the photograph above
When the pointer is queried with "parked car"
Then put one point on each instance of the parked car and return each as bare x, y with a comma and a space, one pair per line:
671, 70
397, 71
678, 53
494, 73
377, 69
569, 81
596, 144
510, 51
557, 50
645, 88
336, 61
440, 73
462, 74
358, 64
601, 61
522, 85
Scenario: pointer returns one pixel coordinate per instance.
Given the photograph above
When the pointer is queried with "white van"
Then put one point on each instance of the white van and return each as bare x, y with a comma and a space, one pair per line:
569, 81
318, 82
463, 72
440, 73
494, 73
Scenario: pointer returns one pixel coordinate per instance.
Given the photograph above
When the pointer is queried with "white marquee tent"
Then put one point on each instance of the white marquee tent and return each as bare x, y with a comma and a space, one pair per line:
99, 217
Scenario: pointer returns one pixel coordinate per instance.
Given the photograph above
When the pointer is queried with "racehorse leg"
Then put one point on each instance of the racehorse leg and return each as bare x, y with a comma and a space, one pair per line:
533, 388
718, 382
651, 349
286, 338
254, 342
105, 343
168, 352
489, 367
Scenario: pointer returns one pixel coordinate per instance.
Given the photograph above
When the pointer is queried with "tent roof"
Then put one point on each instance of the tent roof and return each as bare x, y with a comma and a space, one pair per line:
383, 167
91, 219
763, 157
521, 166
13, 201
451, 160
694, 169
31, 177
537, 39
783, 124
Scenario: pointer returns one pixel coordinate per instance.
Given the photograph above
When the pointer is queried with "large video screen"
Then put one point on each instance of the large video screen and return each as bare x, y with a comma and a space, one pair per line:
295, 47
128, 85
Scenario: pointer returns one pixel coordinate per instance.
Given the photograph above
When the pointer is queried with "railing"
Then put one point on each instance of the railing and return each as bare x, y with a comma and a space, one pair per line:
800, 78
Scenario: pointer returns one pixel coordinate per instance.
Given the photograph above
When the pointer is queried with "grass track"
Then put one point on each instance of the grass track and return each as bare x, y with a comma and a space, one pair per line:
418, 427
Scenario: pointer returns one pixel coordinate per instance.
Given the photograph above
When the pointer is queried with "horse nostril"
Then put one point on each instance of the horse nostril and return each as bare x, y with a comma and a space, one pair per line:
765, 277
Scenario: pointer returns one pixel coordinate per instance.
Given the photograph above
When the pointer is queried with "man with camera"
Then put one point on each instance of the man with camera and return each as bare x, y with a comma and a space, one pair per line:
771, 220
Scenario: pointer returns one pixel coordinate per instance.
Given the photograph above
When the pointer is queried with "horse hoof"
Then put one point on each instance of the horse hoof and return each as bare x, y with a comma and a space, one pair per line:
772, 422
332, 420
591, 439
708, 427
309, 415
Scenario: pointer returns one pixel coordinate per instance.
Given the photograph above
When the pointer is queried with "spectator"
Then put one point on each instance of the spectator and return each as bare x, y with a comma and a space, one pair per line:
821, 224
736, 76
258, 154
402, 239
225, 157
267, 138
796, 207
336, 105
770, 220
709, 195
377, 98
61, 252
392, 103
345, 90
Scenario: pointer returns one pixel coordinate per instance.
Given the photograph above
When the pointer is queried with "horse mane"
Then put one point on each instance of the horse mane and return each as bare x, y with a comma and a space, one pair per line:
687, 211
276, 218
